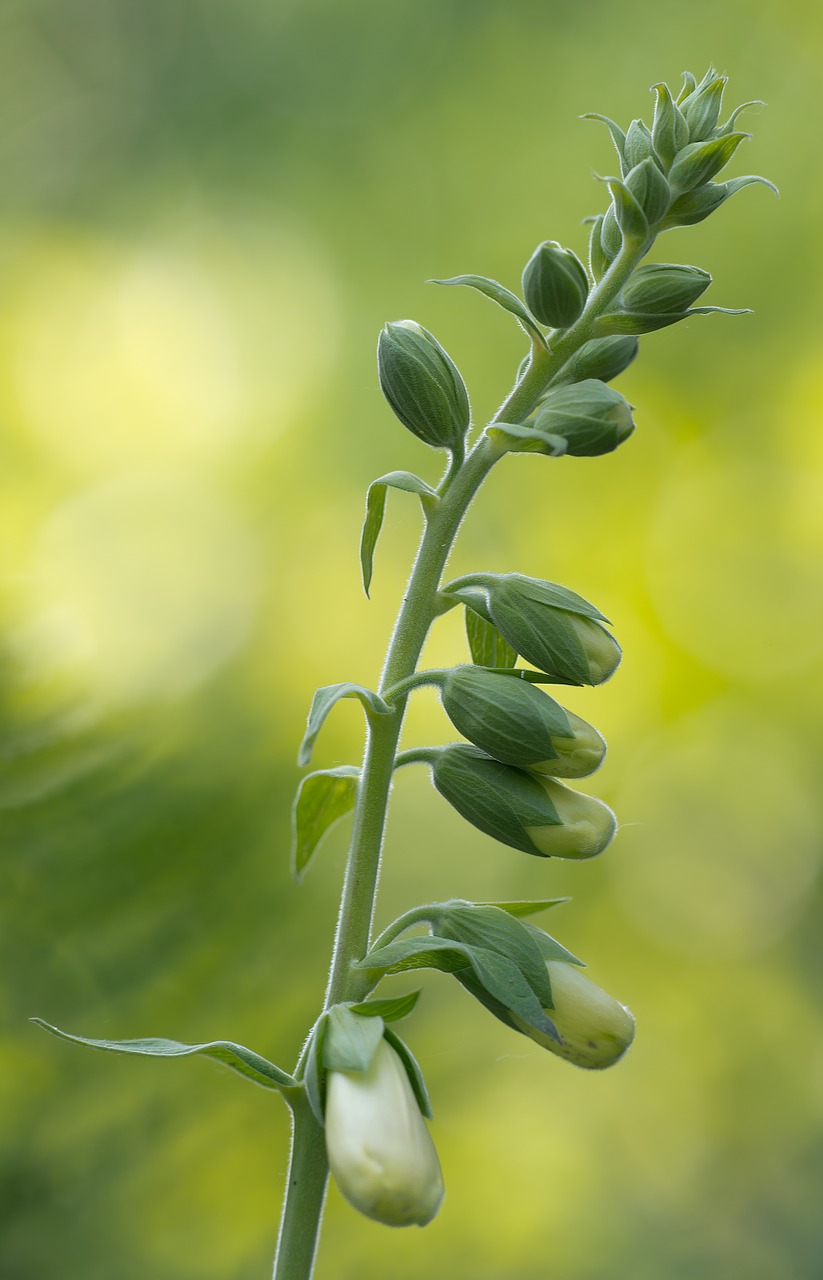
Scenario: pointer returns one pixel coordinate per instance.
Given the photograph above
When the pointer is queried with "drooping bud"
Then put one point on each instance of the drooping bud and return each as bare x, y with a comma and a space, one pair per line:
555, 285
523, 810
422, 385
664, 287
517, 723
601, 358
669, 129
380, 1150
650, 189
591, 417
595, 1029
698, 163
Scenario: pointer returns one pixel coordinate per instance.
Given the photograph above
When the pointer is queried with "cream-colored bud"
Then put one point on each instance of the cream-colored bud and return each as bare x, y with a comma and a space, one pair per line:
577, 756
602, 651
379, 1148
586, 825
595, 1029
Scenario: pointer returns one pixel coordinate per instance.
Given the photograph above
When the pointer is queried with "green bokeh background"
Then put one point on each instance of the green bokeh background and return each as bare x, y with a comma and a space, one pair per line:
207, 211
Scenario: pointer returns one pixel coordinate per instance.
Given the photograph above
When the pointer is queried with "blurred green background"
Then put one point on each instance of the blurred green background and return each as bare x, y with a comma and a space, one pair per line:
207, 211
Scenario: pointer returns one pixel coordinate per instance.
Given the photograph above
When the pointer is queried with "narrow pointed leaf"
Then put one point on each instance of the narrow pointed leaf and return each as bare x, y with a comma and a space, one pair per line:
322, 800
526, 908
322, 703
504, 298
487, 646
244, 1061
391, 1010
375, 510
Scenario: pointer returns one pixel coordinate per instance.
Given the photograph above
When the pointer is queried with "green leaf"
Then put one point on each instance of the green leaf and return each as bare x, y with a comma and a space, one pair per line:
526, 908
487, 646
322, 703
413, 1071
322, 800
244, 1061
498, 975
498, 931
391, 1010
617, 135
504, 298
375, 509
350, 1041
551, 949
513, 437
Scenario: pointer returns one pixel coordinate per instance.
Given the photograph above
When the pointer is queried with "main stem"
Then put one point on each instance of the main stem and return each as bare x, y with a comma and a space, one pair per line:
308, 1171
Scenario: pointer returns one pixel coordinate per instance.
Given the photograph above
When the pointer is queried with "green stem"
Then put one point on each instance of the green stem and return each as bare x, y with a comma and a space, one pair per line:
305, 1194
421, 605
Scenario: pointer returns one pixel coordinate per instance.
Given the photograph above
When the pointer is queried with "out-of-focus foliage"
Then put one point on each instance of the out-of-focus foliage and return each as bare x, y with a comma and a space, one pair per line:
207, 212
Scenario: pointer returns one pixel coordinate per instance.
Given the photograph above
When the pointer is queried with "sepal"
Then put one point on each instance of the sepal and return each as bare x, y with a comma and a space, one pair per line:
670, 132
664, 287
699, 162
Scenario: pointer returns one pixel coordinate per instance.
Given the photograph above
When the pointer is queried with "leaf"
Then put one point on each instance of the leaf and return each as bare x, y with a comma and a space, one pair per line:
499, 976
375, 509
551, 949
521, 439
487, 646
391, 1010
242, 1060
617, 134
504, 298
413, 1071
322, 703
350, 1041
322, 800
525, 908
497, 931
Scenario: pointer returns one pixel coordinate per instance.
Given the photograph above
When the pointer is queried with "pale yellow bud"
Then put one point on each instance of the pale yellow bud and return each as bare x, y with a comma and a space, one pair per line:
595, 1029
586, 825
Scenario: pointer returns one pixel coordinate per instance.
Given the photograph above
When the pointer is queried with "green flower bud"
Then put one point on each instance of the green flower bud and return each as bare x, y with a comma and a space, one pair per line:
598, 262
611, 237
701, 109
555, 285
526, 811
650, 189
664, 287
519, 724
595, 1029
591, 417
669, 129
379, 1148
422, 385
601, 358
638, 144
698, 163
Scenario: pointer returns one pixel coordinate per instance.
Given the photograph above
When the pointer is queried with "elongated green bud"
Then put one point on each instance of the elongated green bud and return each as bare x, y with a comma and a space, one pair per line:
555, 285
601, 358
698, 163
701, 109
379, 1148
650, 189
598, 262
664, 287
595, 1029
670, 131
638, 145
519, 724
591, 417
526, 811
422, 385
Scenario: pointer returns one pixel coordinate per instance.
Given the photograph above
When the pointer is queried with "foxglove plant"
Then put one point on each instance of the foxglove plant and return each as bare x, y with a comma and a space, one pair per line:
357, 1095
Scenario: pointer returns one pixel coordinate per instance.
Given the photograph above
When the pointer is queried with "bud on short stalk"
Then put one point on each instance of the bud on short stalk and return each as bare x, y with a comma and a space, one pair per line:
595, 1029
592, 418
600, 358
555, 285
379, 1148
664, 287
518, 724
423, 385
524, 810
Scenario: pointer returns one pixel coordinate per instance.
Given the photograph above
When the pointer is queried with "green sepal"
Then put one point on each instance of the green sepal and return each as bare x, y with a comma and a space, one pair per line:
669, 129
600, 358
495, 930
698, 163
551, 949
638, 323
375, 510
628, 211
701, 109
651, 191
695, 206
504, 298
744, 106
664, 287
516, 437
499, 799
413, 1071
638, 145
526, 908
322, 703
618, 137
390, 1010
507, 718
689, 85
611, 237
235, 1056
486, 645
598, 262
322, 800
351, 1040
499, 976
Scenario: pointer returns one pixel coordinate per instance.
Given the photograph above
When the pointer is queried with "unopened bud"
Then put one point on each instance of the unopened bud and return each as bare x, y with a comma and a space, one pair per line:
650, 189
422, 385
601, 358
523, 810
555, 285
664, 287
379, 1148
701, 109
595, 1029
638, 144
669, 130
698, 163
591, 417
519, 724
